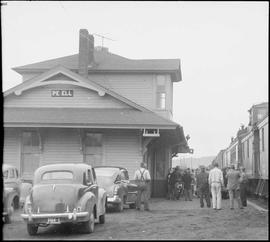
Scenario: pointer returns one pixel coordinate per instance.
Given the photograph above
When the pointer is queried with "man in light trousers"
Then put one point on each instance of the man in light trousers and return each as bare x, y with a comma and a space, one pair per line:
216, 182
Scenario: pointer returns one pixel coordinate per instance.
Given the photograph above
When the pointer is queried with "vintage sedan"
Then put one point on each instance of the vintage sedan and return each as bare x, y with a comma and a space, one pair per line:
11, 191
65, 193
120, 190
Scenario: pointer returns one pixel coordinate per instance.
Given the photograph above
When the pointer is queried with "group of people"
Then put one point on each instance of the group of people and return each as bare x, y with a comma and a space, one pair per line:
200, 183
180, 182
236, 180
203, 182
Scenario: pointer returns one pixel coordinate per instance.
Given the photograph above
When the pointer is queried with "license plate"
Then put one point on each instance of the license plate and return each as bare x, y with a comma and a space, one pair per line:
53, 221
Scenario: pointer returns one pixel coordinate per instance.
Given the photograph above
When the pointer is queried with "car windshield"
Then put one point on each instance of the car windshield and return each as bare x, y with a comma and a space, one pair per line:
57, 175
106, 176
5, 174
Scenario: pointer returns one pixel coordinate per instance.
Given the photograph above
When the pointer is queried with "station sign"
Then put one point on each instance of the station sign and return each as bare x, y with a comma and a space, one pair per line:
62, 93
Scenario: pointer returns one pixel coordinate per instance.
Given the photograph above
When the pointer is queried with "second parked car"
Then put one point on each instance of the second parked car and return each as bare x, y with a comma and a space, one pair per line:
120, 190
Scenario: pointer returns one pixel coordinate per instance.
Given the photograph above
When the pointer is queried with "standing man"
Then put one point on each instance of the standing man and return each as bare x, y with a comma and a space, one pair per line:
234, 186
215, 180
142, 179
169, 185
243, 186
187, 179
203, 187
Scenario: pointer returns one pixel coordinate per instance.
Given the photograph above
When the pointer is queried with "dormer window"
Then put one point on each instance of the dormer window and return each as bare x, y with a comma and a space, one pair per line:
161, 92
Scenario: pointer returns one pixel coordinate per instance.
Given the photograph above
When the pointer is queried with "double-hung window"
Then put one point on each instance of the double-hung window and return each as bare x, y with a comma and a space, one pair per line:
161, 92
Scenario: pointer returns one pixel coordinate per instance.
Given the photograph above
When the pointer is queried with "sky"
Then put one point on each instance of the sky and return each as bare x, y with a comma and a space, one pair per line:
223, 48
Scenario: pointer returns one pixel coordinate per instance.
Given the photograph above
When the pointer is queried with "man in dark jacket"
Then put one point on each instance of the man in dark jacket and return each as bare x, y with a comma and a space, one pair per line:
173, 179
187, 179
203, 187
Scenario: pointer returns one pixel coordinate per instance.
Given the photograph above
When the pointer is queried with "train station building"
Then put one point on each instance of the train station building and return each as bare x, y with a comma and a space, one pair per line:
94, 107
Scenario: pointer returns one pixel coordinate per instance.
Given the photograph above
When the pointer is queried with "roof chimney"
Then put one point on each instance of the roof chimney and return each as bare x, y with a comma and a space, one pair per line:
83, 52
86, 52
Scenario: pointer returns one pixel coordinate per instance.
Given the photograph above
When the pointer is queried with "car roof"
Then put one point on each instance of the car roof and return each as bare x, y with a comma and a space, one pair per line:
7, 166
118, 167
61, 166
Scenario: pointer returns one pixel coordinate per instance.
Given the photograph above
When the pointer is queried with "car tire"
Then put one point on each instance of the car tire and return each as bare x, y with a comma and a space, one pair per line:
89, 225
102, 219
132, 205
32, 229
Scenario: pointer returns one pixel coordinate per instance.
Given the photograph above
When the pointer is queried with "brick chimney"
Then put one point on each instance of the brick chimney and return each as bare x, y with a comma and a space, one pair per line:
86, 52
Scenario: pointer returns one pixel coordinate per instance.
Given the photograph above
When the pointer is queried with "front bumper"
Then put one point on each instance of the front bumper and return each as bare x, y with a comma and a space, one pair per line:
61, 217
114, 199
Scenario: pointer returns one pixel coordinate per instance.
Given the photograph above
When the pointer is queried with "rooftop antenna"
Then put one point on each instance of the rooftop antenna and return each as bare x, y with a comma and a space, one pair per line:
102, 38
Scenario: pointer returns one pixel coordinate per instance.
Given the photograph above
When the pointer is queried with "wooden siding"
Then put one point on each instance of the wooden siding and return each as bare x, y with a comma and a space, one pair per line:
61, 145
123, 149
11, 147
138, 88
82, 97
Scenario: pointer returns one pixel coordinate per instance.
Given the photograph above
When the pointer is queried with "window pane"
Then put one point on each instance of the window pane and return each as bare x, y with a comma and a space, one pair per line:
30, 139
93, 139
161, 80
161, 100
27, 139
35, 139
57, 175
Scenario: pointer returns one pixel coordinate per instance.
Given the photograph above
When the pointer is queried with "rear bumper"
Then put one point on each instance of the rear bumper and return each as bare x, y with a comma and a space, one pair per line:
62, 217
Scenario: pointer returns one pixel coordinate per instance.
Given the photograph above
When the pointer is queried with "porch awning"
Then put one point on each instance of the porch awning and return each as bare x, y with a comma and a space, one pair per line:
176, 138
84, 118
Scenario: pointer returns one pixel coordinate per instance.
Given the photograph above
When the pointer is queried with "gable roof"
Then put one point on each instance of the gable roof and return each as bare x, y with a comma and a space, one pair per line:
109, 62
76, 79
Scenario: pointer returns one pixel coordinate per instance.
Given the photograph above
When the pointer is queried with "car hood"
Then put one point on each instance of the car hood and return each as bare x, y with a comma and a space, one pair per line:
55, 197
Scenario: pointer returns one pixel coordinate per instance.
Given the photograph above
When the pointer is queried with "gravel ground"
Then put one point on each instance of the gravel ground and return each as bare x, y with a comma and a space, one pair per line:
179, 220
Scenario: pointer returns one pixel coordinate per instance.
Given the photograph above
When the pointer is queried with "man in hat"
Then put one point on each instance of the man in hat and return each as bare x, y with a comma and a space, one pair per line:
234, 186
203, 187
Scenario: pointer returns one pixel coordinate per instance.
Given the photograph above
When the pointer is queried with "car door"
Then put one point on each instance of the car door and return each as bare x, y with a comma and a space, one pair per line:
131, 189
91, 182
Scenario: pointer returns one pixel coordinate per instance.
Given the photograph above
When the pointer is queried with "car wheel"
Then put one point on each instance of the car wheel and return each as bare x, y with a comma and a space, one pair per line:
132, 205
102, 219
90, 224
32, 229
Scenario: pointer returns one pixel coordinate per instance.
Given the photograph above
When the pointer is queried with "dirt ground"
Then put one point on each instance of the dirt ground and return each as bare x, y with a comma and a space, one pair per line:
178, 220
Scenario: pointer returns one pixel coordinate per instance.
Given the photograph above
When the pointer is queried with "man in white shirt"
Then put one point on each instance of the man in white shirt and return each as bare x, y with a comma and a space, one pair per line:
142, 179
216, 182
